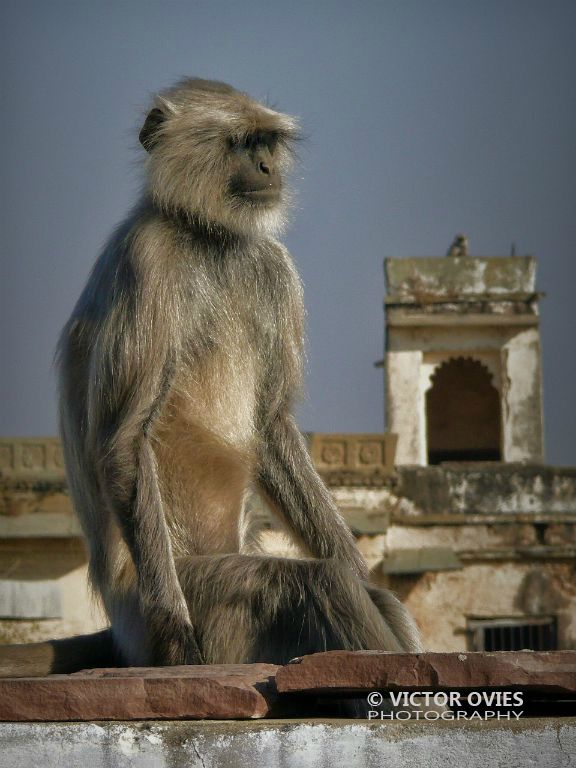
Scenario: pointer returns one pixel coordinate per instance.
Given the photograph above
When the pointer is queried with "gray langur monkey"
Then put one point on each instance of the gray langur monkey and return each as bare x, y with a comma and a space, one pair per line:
178, 371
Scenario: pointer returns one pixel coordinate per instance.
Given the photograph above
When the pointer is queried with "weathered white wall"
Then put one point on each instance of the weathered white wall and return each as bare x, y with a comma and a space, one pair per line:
404, 404
522, 397
442, 601
549, 743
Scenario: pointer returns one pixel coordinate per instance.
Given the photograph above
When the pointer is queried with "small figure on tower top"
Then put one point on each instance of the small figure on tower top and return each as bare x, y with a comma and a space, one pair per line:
459, 247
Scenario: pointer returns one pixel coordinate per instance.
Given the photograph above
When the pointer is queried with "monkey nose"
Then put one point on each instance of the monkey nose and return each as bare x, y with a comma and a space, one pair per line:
264, 168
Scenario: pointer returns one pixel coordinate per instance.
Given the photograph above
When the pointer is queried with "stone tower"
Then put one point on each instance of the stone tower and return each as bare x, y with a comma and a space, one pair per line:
463, 370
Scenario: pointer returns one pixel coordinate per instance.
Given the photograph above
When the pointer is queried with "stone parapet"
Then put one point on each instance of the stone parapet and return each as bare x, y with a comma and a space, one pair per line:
428, 279
489, 488
217, 692
229, 691
365, 671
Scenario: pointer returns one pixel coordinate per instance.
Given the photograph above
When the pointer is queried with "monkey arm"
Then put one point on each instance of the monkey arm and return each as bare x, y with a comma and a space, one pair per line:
141, 518
131, 372
289, 479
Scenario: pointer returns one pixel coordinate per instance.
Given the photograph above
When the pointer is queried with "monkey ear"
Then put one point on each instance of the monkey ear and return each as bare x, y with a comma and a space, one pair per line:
149, 133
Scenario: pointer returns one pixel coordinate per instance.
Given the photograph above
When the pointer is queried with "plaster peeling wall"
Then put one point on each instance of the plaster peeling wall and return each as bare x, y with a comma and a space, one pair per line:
295, 743
522, 398
442, 601
420, 277
405, 407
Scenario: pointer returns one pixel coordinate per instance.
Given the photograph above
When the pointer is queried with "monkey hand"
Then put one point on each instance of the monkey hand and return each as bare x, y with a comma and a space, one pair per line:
175, 644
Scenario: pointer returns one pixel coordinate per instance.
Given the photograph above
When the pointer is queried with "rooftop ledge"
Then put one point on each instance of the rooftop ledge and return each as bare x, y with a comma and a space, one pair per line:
263, 716
304, 688
427, 278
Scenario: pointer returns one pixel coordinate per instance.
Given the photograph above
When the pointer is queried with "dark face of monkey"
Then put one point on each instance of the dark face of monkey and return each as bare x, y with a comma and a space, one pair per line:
217, 155
255, 177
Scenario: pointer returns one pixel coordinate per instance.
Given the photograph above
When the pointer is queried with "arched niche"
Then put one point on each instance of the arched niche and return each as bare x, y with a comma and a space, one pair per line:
463, 420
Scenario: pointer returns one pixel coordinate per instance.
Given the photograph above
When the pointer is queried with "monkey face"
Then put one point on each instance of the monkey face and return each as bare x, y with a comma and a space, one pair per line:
218, 156
255, 177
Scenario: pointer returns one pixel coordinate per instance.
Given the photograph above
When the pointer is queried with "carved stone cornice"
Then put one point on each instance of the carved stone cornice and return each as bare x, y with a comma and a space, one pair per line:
354, 459
31, 459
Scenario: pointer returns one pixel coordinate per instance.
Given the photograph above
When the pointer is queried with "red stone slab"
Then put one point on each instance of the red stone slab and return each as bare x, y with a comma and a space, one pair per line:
220, 692
337, 671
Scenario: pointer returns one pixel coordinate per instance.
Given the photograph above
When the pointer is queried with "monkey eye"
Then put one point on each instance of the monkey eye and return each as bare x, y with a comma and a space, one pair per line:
237, 143
272, 139
253, 141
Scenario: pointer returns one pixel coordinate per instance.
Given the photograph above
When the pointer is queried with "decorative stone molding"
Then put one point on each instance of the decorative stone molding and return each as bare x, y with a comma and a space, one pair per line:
431, 364
23, 458
34, 499
37, 463
365, 459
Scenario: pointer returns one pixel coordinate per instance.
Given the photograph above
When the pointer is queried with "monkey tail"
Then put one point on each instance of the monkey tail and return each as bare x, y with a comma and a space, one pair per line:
71, 654
397, 617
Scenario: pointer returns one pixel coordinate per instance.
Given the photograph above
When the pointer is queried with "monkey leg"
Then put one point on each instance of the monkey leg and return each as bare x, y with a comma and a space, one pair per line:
264, 609
258, 608
246, 609
299, 497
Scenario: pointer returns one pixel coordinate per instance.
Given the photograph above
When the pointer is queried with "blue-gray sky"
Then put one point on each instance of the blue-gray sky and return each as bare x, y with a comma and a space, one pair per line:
423, 118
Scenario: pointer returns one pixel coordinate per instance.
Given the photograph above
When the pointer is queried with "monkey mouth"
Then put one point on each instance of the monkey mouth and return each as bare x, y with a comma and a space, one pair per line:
262, 195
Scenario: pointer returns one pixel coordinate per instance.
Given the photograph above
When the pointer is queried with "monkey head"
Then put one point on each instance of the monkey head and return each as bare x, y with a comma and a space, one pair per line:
218, 156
